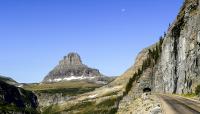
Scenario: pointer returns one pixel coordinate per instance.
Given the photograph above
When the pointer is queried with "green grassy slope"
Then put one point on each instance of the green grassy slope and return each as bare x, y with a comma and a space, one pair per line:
66, 87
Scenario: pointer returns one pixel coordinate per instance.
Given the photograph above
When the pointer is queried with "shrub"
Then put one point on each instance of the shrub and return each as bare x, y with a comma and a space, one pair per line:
197, 90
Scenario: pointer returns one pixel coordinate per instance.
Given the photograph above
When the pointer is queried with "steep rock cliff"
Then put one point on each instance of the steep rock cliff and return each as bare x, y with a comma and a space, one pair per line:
177, 68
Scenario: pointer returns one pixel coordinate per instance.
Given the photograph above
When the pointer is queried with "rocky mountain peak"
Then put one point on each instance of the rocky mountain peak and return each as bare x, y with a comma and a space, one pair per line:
71, 59
72, 68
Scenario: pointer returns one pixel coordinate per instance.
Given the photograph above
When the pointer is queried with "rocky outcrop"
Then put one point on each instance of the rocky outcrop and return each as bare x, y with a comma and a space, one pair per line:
171, 65
146, 104
11, 81
8, 80
16, 100
72, 68
46, 99
176, 70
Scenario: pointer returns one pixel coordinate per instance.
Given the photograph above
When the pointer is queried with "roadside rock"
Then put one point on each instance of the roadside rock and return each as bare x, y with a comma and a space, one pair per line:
145, 104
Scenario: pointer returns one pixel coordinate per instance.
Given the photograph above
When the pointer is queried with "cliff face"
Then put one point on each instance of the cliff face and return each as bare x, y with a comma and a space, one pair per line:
46, 99
172, 65
177, 68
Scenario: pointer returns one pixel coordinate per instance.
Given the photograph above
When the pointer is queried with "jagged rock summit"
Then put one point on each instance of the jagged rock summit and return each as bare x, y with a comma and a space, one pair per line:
72, 68
71, 59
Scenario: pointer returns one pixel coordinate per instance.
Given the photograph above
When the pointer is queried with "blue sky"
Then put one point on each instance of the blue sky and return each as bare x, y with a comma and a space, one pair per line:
108, 34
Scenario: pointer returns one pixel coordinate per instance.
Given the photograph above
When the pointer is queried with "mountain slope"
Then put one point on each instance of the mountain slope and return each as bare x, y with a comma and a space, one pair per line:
8, 80
72, 68
173, 65
179, 60
16, 100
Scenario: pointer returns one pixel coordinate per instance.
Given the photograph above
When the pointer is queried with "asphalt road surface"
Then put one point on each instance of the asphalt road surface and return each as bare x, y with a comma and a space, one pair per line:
179, 105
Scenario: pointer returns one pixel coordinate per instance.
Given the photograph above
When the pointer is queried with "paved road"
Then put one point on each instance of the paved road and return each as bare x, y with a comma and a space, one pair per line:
178, 105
